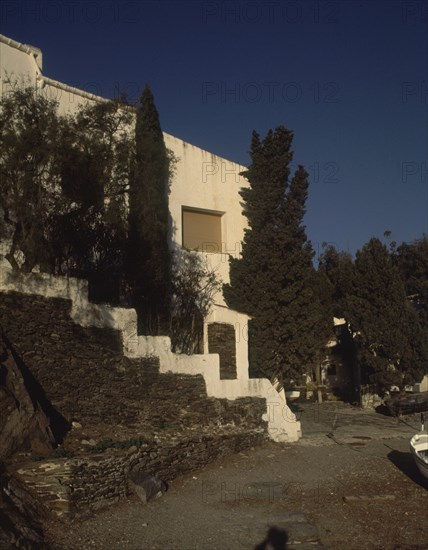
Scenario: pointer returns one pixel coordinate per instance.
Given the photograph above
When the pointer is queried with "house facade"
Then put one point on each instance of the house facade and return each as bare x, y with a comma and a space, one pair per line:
206, 215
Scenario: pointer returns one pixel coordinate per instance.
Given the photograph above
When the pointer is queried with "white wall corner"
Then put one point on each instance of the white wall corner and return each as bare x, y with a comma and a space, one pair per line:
283, 426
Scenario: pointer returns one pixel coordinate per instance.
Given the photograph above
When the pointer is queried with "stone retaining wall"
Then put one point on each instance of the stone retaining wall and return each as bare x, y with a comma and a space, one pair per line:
88, 379
80, 318
116, 400
76, 486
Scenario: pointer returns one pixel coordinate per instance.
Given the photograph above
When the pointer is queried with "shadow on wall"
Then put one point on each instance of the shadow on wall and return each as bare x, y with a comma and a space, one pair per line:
276, 539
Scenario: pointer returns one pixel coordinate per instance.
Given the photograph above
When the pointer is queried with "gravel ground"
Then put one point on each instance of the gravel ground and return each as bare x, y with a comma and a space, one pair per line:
350, 483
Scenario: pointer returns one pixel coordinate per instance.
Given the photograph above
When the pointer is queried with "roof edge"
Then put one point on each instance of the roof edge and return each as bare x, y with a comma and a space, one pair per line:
26, 48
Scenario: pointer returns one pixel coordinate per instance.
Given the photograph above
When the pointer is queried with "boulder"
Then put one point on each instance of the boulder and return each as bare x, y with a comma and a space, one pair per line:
146, 486
21, 516
23, 423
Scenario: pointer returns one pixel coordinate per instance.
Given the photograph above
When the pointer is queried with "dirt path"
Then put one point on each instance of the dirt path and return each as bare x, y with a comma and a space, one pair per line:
350, 483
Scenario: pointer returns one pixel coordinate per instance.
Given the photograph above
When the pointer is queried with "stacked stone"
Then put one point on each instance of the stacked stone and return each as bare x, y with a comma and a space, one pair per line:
221, 340
88, 379
78, 486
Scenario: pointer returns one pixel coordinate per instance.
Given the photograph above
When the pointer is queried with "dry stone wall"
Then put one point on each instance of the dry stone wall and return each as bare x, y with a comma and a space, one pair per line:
105, 478
221, 340
77, 486
282, 425
21, 515
88, 379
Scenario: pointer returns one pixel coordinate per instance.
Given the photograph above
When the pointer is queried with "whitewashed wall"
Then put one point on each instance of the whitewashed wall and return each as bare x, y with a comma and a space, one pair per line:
208, 182
422, 385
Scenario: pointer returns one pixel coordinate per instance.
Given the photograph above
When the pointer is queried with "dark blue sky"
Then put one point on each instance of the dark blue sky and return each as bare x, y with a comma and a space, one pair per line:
349, 78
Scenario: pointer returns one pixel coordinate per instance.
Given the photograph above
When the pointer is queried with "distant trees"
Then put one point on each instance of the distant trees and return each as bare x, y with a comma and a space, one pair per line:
411, 260
386, 328
389, 340
274, 281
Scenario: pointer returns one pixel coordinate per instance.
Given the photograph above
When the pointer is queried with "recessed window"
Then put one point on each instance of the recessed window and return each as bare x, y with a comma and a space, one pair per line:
202, 230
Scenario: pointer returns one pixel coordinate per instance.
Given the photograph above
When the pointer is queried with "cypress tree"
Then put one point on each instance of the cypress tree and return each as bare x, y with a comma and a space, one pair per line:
274, 280
149, 258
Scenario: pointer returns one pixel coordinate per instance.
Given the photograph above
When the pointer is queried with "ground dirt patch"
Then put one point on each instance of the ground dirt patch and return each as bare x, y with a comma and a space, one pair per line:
322, 492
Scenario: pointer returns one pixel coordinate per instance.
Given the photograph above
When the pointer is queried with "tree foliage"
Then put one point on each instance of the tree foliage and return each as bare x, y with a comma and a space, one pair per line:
412, 262
64, 181
148, 262
338, 267
386, 328
194, 286
91, 230
30, 174
274, 281
85, 194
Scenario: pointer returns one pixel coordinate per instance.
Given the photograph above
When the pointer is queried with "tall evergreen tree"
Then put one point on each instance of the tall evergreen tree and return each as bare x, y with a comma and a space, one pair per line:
148, 266
274, 280
387, 332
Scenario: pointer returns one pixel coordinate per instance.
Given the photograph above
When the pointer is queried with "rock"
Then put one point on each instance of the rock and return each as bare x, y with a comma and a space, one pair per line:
23, 422
146, 486
89, 442
76, 425
21, 516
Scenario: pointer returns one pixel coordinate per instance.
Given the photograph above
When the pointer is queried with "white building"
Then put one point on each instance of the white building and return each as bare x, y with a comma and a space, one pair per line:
206, 214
